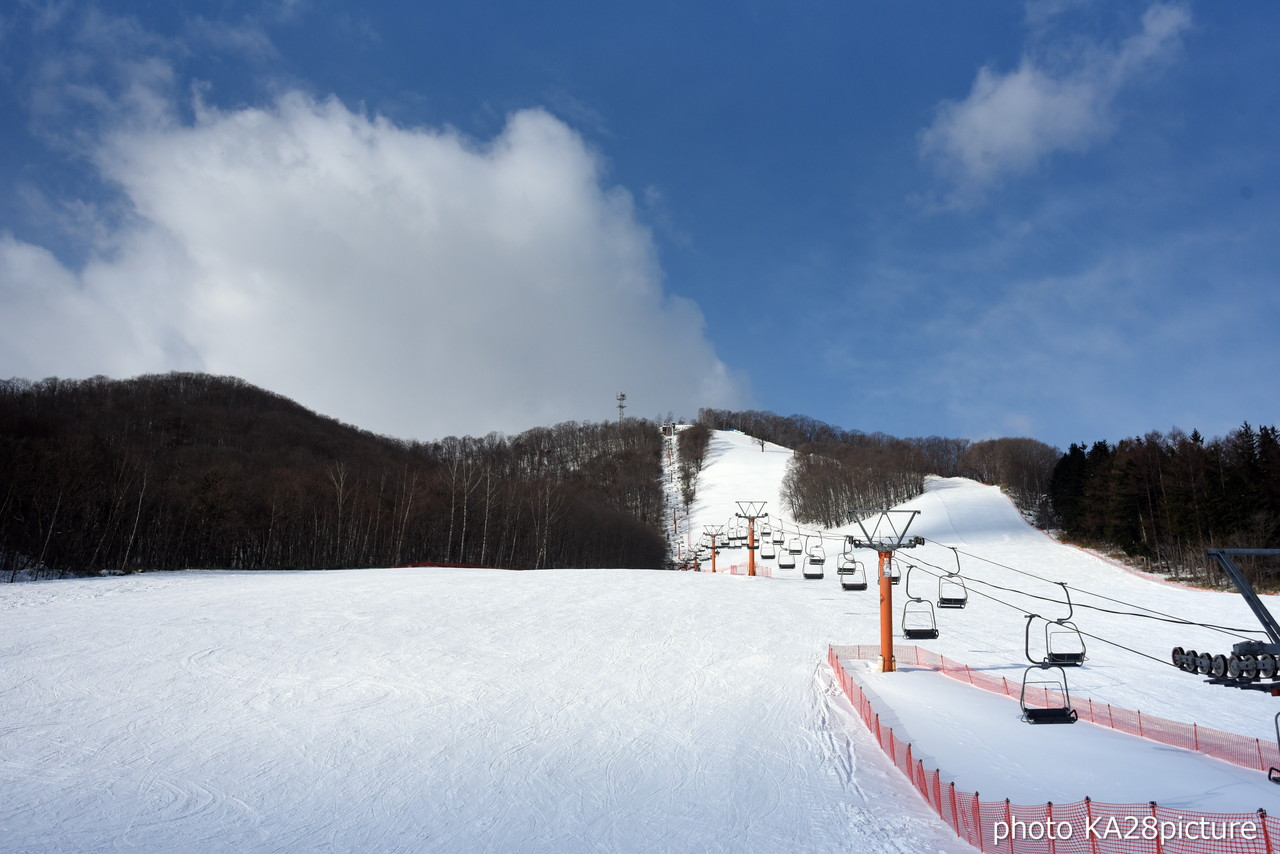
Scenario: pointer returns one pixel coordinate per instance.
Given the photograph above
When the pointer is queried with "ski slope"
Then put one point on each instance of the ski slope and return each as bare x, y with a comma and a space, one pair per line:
570, 710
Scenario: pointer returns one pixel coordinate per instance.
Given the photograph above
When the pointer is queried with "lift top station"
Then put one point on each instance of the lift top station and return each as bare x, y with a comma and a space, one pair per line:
887, 534
1252, 664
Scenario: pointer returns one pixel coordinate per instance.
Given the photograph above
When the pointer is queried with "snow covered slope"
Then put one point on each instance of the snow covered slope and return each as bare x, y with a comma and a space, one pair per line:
436, 710
578, 710
998, 547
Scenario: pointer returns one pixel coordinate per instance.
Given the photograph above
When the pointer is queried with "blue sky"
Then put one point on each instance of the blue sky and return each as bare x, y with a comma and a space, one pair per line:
1054, 219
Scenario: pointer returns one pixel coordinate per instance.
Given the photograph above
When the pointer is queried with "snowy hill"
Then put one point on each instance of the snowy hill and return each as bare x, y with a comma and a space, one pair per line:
574, 710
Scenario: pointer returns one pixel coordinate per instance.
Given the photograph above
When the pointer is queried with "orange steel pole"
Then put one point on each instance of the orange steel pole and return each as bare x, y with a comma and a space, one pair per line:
887, 663
751, 545
713, 553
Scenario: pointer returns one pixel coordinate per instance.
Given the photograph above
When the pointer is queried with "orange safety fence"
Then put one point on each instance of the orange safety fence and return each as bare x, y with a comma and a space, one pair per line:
1082, 827
762, 570
1228, 746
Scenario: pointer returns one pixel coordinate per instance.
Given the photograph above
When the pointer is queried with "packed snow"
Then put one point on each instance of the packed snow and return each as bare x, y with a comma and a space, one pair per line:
571, 710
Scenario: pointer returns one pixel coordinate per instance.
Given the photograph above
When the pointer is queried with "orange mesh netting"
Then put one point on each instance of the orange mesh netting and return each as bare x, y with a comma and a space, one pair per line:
1083, 827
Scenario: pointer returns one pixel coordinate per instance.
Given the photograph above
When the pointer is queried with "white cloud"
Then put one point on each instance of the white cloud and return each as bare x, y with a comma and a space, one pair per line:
411, 281
1051, 103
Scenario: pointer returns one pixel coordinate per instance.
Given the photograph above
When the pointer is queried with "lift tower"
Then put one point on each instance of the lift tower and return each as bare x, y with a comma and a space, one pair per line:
887, 534
713, 531
751, 511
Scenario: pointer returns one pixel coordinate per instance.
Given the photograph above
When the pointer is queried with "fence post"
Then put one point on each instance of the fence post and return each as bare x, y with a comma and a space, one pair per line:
1048, 814
1159, 847
1266, 835
1110, 717
1195, 734
1140, 733
1258, 742
977, 822
1088, 819
955, 819
1008, 822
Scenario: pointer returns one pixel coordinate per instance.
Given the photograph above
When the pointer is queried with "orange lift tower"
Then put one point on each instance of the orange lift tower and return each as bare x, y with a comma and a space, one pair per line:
750, 510
713, 531
886, 536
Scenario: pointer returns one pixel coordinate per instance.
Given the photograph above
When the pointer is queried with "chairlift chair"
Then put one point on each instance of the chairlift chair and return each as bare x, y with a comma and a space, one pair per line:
813, 565
1060, 714
1064, 645
952, 592
778, 538
1057, 714
786, 560
767, 551
794, 547
918, 620
1063, 642
853, 575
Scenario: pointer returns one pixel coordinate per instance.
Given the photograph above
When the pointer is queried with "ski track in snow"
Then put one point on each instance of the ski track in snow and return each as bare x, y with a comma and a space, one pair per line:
566, 711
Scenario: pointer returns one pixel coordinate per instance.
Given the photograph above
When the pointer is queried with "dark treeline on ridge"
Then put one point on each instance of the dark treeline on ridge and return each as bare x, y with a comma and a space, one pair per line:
189, 470
1166, 497
836, 473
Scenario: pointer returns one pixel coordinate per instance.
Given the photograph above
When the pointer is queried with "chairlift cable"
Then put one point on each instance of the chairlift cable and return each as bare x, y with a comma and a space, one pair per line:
1162, 616
1026, 613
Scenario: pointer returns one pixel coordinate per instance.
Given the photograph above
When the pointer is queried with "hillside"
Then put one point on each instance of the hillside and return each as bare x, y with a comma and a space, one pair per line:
188, 470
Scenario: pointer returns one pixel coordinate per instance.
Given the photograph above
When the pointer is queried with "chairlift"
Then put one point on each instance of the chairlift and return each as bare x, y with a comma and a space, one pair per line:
813, 566
895, 574
765, 532
952, 592
786, 560
778, 538
1049, 684
1063, 641
794, 547
918, 619
853, 575
767, 551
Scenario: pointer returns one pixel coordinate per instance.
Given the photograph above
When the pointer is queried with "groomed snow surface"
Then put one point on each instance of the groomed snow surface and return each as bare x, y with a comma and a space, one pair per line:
577, 710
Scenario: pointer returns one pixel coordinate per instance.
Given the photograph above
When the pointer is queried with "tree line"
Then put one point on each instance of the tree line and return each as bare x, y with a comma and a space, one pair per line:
1167, 497
187, 470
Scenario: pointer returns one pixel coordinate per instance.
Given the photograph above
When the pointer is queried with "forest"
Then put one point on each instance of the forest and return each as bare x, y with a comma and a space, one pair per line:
1165, 498
186, 470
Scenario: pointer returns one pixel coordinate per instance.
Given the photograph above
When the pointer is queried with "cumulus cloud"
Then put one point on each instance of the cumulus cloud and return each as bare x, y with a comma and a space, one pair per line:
412, 281
1058, 101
